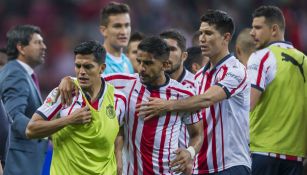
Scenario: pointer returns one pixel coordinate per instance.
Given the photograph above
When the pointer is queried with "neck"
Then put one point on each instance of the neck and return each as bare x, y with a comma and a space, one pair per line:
217, 58
93, 91
23, 59
112, 50
160, 81
176, 75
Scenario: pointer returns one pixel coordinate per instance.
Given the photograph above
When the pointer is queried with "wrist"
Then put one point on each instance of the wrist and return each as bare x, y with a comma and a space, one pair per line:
192, 152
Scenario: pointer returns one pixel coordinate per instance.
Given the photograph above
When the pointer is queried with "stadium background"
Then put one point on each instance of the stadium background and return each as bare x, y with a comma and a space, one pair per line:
64, 23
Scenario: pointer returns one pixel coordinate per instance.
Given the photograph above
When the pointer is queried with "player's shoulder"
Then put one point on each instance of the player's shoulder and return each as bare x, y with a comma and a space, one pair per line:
180, 88
259, 54
119, 76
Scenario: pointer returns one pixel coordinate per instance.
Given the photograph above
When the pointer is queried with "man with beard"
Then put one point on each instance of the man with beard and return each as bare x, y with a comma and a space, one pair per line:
153, 144
177, 44
223, 98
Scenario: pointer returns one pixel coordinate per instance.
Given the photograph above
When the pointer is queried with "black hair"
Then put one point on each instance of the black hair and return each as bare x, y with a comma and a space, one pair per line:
136, 36
155, 46
113, 8
91, 47
220, 19
272, 15
175, 35
20, 34
194, 56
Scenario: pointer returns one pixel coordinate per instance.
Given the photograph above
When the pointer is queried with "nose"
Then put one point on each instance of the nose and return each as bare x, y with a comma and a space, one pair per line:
202, 38
44, 45
125, 29
82, 70
252, 32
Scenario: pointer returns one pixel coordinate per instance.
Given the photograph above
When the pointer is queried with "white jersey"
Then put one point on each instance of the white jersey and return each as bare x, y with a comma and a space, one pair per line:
53, 108
152, 143
226, 124
186, 79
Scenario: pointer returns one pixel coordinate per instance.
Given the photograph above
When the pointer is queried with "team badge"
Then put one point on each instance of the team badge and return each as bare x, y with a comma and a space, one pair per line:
110, 111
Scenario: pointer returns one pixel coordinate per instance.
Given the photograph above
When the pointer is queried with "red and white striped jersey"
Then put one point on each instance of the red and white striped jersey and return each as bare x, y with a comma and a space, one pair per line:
152, 143
186, 79
226, 123
53, 108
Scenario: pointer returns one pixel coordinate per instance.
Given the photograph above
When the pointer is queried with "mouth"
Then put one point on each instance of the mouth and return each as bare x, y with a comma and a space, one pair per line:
204, 48
82, 80
123, 39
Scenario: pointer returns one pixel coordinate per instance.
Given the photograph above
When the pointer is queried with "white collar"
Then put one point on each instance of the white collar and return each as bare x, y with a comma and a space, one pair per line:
26, 67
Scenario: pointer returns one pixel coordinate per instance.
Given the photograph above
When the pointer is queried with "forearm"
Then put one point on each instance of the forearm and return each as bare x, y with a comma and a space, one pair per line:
190, 104
43, 128
196, 135
196, 141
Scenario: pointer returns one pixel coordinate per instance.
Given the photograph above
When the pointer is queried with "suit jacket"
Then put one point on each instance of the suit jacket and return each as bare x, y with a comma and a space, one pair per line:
4, 131
21, 99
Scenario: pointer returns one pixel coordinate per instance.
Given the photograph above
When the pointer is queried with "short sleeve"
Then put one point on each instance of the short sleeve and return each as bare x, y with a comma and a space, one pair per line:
261, 69
234, 80
120, 106
51, 106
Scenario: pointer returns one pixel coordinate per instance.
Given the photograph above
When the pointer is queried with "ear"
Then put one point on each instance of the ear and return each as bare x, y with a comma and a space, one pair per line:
184, 56
166, 65
238, 50
102, 30
195, 67
275, 30
227, 37
20, 48
102, 68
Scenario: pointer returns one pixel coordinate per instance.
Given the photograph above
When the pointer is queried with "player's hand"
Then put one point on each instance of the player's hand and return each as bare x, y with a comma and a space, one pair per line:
67, 88
154, 107
183, 161
81, 116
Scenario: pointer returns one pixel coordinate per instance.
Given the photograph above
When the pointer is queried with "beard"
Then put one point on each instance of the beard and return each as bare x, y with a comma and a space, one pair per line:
172, 69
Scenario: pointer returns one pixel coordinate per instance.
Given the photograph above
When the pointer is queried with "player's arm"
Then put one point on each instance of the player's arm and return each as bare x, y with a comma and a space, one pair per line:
254, 97
156, 106
185, 157
66, 89
119, 144
39, 127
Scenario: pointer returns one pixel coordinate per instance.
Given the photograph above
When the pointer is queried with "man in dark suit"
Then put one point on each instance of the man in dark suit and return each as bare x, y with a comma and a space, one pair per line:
4, 131
21, 97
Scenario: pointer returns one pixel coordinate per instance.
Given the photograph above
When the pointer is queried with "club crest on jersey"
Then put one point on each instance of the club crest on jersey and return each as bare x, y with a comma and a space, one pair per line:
110, 111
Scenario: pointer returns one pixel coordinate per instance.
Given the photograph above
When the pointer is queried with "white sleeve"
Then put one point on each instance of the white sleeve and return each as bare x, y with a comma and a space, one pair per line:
51, 106
261, 68
120, 106
234, 81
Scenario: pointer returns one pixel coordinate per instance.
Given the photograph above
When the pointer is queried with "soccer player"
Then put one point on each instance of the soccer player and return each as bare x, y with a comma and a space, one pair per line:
177, 44
223, 98
278, 72
153, 144
115, 26
245, 46
195, 60
133, 43
84, 132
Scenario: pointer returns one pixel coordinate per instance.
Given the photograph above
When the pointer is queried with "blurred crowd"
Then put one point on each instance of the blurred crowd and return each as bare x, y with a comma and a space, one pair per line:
67, 22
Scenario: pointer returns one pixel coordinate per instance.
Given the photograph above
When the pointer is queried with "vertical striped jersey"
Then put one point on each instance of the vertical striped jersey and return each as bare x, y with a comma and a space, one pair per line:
186, 79
226, 123
151, 144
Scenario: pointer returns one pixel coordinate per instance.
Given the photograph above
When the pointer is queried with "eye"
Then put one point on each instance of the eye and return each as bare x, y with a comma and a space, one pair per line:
78, 66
